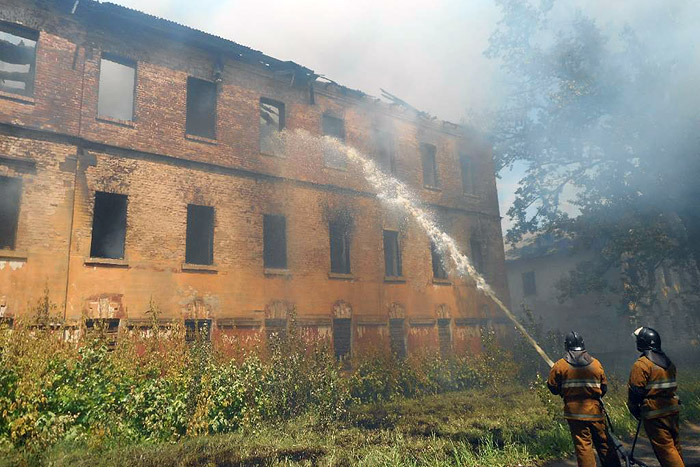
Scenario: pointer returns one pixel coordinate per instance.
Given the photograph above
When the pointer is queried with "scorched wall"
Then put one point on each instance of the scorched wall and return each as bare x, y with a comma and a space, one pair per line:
63, 152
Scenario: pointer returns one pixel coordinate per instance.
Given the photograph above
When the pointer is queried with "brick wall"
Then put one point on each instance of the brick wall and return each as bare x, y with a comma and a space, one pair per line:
161, 171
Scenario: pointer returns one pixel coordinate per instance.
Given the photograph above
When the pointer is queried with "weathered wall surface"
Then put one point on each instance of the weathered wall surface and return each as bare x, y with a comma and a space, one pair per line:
71, 154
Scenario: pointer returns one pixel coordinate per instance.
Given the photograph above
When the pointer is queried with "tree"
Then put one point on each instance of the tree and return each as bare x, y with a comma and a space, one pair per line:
609, 120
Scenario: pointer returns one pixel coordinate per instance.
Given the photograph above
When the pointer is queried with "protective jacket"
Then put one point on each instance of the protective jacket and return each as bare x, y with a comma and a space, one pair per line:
580, 380
652, 386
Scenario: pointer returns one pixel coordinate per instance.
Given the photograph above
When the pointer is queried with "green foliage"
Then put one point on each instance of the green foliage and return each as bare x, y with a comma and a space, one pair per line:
44, 310
92, 398
529, 361
381, 377
495, 365
156, 387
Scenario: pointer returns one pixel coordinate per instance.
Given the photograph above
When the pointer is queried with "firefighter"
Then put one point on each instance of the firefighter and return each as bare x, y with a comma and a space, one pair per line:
652, 398
580, 380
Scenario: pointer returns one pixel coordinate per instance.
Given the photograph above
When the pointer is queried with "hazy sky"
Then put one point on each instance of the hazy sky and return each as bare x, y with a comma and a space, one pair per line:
427, 53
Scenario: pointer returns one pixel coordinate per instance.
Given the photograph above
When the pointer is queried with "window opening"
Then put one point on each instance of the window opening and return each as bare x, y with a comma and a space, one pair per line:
271, 124
108, 226
105, 328
477, 255
341, 337
467, 174
439, 271
392, 254
201, 108
197, 330
529, 285
385, 152
397, 337
444, 336
340, 246
199, 244
10, 192
17, 59
428, 152
117, 86
276, 329
333, 155
275, 241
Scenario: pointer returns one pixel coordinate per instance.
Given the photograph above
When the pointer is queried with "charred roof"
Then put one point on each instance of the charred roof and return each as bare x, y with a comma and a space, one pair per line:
104, 14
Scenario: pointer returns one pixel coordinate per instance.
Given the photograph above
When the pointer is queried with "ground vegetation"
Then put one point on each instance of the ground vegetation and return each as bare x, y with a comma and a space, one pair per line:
156, 400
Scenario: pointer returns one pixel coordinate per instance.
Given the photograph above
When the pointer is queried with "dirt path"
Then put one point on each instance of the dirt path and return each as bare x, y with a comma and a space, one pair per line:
690, 442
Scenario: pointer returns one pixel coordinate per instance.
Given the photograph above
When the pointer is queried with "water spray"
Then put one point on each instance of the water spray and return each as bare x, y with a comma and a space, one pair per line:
394, 193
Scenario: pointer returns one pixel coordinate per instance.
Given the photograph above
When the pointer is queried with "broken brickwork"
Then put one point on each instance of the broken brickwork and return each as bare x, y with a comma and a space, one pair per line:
67, 155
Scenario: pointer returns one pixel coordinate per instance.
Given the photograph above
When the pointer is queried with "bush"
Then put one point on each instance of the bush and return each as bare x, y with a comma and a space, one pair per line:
159, 388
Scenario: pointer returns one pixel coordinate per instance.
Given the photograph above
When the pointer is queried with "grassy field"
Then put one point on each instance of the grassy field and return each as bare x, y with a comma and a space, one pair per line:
462, 428
161, 402
505, 427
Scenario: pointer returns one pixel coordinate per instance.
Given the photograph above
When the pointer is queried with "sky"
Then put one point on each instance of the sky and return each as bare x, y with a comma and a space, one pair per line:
427, 53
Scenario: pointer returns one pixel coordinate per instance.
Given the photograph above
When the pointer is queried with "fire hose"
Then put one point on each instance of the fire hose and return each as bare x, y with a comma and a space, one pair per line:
627, 457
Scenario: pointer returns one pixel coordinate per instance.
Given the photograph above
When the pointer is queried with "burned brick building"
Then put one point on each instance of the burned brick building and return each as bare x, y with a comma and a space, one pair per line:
139, 165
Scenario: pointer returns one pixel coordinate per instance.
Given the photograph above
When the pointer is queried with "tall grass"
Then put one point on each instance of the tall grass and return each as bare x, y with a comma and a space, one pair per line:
160, 388
283, 401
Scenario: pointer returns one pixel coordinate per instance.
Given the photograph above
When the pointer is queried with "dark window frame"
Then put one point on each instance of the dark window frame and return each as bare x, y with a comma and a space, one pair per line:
11, 242
428, 154
385, 147
476, 250
270, 250
397, 344
124, 61
396, 261
276, 329
466, 165
98, 236
439, 270
208, 133
194, 241
340, 261
444, 326
330, 156
33, 35
343, 351
529, 283
198, 329
282, 122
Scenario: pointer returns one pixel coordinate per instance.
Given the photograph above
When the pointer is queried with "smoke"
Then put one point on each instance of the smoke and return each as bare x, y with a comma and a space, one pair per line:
643, 62
427, 53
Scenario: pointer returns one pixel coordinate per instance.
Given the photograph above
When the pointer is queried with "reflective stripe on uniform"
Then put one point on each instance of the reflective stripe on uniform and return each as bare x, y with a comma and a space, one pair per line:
580, 416
580, 383
653, 413
662, 384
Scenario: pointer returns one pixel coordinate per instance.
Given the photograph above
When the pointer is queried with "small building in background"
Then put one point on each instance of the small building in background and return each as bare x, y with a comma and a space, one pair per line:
535, 267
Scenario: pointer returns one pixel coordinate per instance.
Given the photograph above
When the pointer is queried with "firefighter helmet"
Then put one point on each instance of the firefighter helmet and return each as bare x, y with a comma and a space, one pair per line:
574, 341
647, 339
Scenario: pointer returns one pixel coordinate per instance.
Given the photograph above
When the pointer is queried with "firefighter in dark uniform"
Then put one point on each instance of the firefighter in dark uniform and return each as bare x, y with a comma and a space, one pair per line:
580, 380
652, 397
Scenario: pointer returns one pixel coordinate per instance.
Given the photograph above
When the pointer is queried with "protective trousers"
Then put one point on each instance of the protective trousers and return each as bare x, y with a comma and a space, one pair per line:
587, 434
663, 434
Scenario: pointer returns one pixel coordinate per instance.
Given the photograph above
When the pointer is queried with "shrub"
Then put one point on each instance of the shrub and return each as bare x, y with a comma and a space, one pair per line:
159, 388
